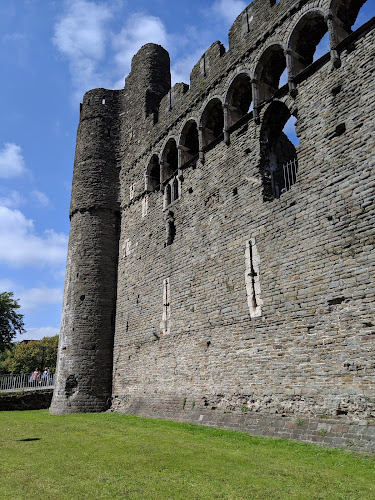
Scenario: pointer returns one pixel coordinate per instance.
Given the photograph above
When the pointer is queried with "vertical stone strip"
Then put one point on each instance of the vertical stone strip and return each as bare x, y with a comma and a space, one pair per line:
166, 317
252, 280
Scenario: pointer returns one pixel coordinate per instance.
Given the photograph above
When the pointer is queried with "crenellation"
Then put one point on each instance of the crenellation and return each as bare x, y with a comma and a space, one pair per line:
219, 263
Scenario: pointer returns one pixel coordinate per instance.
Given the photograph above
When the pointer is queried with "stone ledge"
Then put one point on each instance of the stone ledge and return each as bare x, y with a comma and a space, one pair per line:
26, 400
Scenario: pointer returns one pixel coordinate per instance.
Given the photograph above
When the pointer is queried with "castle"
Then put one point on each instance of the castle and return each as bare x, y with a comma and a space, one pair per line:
217, 273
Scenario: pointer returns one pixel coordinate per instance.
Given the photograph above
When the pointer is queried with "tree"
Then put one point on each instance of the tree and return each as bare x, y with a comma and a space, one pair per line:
25, 357
11, 321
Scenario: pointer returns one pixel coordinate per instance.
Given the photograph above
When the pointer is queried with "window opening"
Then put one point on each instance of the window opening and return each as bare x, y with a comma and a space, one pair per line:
166, 316
212, 121
152, 180
189, 144
270, 68
308, 42
279, 164
365, 13
283, 78
170, 160
175, 189
239, 99
168, 195
352, 14
252, 279
171, 192
322, 48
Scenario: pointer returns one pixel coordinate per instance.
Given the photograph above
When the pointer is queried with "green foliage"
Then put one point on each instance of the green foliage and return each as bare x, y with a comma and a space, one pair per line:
11, 321
25, 357
110, 456
4, 355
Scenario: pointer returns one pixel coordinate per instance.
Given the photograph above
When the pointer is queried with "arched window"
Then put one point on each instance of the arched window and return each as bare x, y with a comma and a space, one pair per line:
270, 67
189, 142
346, 11
175, 193
170, 160
278, 165
168, 195
152, 178
239, 99
304, 41
212, 121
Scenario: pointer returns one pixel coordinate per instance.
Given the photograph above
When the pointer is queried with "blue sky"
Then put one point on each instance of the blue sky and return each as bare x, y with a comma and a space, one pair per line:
51, 53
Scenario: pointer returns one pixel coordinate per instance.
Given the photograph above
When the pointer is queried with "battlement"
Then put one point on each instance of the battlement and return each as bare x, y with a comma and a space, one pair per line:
215, 260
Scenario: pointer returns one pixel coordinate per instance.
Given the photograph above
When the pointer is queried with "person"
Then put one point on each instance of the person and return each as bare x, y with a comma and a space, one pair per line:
45, 376
36, 376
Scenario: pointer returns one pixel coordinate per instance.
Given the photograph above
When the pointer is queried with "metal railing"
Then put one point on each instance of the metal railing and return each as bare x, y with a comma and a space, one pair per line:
26, 381
290, 174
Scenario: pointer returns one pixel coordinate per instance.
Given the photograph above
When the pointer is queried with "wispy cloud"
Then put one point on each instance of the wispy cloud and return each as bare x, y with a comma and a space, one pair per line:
81, 35
40, 198
12, 163
181, 69
228, 10
21, 246
11, 199
39, 298
39, 333
100, 57
139, 29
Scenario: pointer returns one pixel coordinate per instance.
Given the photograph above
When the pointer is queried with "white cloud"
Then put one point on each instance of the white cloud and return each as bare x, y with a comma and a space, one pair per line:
182, 68
81, 35
20, 245
40, 198
12, 163
228, 10
38, 298
39, 333
6, 285
11, 199
139, 30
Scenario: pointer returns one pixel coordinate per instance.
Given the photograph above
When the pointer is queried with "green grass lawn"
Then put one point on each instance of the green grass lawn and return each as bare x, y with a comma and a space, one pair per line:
110, 455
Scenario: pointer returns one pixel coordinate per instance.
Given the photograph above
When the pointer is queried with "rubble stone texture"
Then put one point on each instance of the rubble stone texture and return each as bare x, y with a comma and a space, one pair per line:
203, 282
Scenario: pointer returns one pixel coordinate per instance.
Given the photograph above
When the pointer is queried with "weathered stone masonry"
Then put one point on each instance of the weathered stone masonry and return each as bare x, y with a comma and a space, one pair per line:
206, 282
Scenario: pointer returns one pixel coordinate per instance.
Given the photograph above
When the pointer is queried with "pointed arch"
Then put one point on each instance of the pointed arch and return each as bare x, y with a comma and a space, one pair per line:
188, 142
169, 160
304, 40
268, 71
238, 99
212, 121
152, 175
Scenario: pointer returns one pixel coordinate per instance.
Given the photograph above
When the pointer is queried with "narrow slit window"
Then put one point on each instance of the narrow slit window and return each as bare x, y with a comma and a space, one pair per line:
165, 322
252, 279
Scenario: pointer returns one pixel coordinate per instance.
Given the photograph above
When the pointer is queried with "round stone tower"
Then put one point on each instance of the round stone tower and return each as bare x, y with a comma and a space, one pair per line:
84, 372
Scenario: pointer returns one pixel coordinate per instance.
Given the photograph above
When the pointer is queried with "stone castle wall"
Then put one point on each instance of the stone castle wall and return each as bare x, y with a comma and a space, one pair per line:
205, 285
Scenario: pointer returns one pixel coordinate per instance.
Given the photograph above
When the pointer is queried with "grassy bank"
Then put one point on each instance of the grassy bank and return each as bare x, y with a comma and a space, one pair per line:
118, 456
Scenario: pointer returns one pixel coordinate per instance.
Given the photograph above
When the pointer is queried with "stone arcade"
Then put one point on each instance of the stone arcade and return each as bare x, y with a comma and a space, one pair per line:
217, 273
